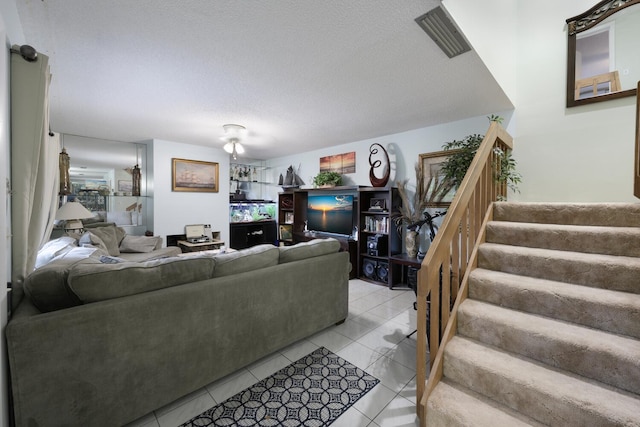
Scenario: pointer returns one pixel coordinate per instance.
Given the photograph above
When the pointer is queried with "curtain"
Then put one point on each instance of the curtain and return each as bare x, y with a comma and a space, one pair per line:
34, 161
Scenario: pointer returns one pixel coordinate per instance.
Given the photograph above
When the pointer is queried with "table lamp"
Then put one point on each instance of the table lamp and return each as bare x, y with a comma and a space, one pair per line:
72, 213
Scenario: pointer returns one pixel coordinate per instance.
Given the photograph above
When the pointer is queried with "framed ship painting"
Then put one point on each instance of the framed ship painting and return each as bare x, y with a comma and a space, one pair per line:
194, 175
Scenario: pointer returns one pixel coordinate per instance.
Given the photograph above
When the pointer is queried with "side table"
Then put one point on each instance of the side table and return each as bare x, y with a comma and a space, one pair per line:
404, 271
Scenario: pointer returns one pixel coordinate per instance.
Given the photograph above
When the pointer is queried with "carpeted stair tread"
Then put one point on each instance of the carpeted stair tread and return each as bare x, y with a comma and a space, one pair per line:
604, 357
546, 394
601, 271
613, 311
580, 238
614, 214
451, 406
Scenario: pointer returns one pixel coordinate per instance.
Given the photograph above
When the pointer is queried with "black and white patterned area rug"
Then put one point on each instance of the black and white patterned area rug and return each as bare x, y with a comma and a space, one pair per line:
313, 391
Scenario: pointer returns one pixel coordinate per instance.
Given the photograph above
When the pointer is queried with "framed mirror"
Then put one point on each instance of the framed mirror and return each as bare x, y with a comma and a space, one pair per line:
602, 58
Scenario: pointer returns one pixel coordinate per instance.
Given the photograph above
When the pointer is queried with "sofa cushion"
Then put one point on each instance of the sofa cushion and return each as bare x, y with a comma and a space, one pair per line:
104, 238
47, 285
120, 232
253, 258
309, 249
91, 283
140, 244
170, 251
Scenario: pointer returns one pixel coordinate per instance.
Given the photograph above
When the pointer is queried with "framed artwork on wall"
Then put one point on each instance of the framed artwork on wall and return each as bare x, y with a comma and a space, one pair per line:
125, 186
341, 163
194, 175
432, 175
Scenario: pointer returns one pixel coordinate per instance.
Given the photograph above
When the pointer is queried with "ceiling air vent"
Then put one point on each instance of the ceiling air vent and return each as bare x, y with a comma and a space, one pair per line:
444, 32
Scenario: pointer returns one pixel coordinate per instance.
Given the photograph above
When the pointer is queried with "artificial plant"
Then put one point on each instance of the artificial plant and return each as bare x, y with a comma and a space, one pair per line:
427, 194
327, 178
456, 165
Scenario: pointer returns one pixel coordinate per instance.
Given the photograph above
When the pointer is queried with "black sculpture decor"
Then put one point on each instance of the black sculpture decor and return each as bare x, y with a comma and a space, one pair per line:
377, 163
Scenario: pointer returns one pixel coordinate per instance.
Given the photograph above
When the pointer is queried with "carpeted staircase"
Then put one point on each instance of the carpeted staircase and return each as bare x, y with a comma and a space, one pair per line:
550, 333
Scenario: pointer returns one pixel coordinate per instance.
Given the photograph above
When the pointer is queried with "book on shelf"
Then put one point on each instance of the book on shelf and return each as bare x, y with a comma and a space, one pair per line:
376, 225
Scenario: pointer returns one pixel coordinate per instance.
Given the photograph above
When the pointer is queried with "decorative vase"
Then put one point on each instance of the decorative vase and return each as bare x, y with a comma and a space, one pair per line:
411, 243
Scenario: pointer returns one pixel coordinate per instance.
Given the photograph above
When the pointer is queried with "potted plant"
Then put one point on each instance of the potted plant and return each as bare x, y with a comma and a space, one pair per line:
327, 179
456, 165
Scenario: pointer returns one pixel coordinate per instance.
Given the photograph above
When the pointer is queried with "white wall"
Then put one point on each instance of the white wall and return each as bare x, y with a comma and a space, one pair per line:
581, 154
173, 210
495, 44
404, 150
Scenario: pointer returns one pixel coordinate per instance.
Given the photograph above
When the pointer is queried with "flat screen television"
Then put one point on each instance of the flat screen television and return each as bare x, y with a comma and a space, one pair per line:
330, 213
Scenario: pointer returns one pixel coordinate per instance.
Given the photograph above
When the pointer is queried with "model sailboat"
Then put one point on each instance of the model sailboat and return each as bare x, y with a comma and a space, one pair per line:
291, 179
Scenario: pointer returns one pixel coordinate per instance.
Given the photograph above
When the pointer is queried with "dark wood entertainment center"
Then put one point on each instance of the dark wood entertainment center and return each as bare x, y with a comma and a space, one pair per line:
371, 249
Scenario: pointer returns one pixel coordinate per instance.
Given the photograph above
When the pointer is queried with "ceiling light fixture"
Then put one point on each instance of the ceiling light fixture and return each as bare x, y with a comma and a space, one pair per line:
437, 24
232, 136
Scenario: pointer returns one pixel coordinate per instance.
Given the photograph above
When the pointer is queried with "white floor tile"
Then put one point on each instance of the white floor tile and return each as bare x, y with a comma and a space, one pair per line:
372, 403
359, 355
409, 391
356, 308
391, 374
384, 337
351, 418
387, 310
299, 349
221, 391
404, 353
398, 413
353, 329
370, 301
274, 364
407, 317
370, 320
402, 302
186, 411
330, 340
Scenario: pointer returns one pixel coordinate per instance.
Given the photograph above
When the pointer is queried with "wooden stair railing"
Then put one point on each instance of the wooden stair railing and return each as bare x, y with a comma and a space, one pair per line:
453, 250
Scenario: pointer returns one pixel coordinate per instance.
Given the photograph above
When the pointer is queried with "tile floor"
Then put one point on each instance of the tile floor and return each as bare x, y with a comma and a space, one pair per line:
373, 338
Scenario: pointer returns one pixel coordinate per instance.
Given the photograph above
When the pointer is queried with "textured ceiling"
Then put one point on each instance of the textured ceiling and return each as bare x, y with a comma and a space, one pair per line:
299, 74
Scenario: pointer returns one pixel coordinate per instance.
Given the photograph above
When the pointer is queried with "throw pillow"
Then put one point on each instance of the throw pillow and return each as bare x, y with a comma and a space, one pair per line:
109, 237
54, 248
89, 239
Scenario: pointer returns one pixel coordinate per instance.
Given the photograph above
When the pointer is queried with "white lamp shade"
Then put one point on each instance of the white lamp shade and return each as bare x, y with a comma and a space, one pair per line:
228, 147
73, 210
239, 148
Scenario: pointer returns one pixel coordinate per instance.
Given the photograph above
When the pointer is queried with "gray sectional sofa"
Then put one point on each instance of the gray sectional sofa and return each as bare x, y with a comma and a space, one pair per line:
109, 343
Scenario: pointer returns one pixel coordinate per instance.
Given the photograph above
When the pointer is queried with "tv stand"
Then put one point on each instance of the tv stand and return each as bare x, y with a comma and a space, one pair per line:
377, 238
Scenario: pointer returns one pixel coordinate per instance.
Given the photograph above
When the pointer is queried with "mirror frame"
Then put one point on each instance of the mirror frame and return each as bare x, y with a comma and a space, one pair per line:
580, 23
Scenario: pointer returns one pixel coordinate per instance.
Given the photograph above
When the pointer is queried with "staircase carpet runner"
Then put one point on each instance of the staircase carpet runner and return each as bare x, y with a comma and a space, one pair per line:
312, 391
550, 332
